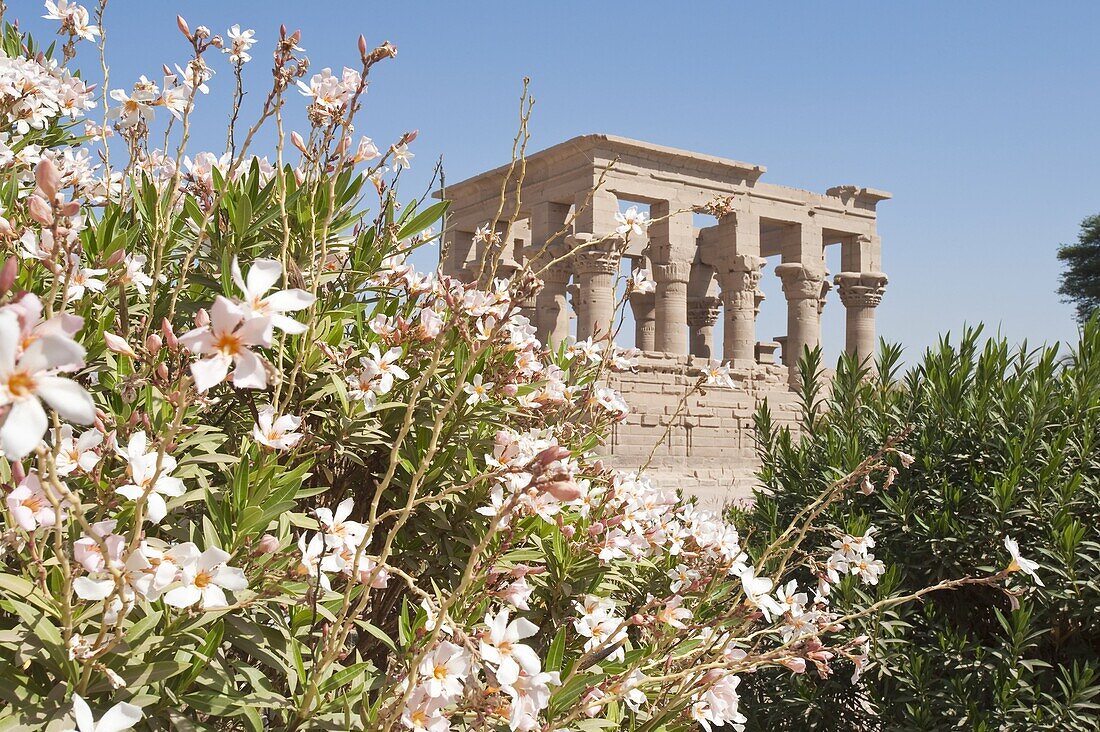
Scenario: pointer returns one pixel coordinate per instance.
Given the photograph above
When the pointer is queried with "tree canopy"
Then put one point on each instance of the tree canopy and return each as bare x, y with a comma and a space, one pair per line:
1081, 278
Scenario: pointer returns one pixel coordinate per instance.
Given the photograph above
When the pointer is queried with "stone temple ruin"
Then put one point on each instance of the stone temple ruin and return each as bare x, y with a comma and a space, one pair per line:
703, 276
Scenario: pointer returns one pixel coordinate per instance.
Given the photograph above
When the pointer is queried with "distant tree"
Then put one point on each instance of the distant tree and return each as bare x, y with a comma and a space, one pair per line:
1081, 279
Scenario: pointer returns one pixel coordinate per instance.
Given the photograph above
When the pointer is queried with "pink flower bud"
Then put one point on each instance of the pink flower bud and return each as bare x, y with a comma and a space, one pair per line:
182, 25
117, 257
18, 473
162, 371
568, 531
169, 334
39, 210
8, 274
563, 490
118, 344
268, 544
297, 140
362, 46
5, 227
552, 454
202, 318
409, 136
153, 344
48, 178
72, 208
596, 529
509, 390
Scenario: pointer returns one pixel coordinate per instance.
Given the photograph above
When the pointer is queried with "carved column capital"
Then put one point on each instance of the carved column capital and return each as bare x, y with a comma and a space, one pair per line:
672, 272
642, 300
861, 289
801, 282
595, 257
703, 312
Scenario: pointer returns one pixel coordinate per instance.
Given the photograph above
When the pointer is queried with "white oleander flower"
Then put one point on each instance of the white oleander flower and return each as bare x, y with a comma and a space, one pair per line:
28, 377
1019, 563
276, 432
632, 221
501, 647
120, 717
262, 276
239, 44
225, 342
147, 480
204, 577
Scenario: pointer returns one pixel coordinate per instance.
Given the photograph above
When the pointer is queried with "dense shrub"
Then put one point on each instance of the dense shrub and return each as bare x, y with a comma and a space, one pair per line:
1005, 441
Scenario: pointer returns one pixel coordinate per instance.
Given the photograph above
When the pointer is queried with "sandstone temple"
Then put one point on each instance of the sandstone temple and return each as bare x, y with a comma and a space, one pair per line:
705, 276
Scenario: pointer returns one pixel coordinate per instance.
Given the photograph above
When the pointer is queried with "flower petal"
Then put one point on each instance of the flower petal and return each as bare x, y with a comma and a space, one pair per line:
68, 398
210, 371
250, 372
263, 275
23, 429
288, 300
9, 341
120, 717
52, 352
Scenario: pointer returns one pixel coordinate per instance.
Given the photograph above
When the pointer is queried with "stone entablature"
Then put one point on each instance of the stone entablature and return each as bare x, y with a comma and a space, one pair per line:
571, 193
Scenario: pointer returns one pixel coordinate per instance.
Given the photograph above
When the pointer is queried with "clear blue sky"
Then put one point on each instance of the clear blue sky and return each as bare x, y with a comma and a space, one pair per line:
982, 118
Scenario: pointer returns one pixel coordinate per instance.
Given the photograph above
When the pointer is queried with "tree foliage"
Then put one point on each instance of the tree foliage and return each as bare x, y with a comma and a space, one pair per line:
1081, 278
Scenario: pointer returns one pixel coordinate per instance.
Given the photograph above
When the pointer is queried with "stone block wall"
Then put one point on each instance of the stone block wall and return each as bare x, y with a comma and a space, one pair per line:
709, 450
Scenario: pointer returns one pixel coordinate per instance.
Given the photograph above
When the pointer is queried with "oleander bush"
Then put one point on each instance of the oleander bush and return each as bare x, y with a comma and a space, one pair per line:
260, 473
1006, 444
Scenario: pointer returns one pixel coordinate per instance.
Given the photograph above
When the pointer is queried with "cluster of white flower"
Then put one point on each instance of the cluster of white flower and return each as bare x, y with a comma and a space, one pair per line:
338, 549
515, 669
852, 555
330, 93
605, 631
376, 376
718, 705
33, 94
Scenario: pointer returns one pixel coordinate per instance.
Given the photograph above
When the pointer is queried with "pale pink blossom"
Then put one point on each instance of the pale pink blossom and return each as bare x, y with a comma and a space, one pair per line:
225, 342
276, 432
262, 276
28, 375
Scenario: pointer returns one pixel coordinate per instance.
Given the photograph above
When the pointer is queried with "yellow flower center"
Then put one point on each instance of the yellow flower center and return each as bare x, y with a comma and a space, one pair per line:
439, 672
202, 580
228, 344
21, 384
34, 503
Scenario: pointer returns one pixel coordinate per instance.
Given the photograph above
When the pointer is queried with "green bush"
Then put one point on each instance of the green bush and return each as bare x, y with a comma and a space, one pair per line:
1005, 445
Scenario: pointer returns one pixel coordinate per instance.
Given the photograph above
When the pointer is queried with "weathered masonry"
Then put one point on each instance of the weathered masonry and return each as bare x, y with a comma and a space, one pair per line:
702, 274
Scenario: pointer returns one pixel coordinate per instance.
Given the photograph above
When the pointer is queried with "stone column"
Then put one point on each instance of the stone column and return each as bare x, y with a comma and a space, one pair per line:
552, 310
552, 305
702, 315
670, 311
672, 249
802, 288
645, 324
596, 267
739, 300
861, 292
643, 305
